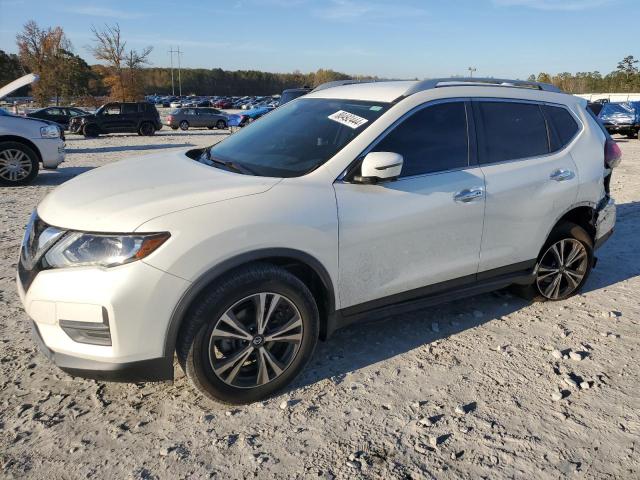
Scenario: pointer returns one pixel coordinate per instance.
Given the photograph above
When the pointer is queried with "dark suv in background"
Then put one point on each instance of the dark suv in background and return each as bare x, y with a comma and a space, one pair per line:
135, 117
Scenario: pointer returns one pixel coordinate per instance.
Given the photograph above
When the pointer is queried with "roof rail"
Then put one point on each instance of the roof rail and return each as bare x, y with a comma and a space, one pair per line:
339, 83
484, 82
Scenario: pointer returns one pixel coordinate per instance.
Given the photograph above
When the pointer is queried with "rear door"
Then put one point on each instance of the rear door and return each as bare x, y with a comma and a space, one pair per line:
531, 178
132, 113
423, 229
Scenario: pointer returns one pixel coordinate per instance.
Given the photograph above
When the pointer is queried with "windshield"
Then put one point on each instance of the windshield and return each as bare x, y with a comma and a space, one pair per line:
298, 137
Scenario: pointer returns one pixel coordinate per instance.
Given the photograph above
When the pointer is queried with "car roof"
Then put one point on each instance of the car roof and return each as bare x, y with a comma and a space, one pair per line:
393, 90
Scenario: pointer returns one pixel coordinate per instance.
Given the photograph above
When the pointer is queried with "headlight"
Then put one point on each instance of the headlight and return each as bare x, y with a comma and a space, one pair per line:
50, 131
77, 249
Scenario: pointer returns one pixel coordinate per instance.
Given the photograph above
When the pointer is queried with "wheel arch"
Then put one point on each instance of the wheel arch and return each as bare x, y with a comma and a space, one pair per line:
582, 214
24, 141
301, 264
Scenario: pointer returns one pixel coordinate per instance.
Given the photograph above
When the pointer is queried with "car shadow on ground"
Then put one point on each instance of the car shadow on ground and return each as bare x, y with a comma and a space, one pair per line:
368, 343
52, 178
113, 148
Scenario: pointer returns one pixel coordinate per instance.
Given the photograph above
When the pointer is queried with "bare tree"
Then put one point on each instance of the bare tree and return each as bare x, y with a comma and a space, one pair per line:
44, 52
124, 67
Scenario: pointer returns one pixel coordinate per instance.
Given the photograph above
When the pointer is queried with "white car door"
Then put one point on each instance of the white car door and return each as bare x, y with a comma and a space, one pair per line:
531, 179
423, 229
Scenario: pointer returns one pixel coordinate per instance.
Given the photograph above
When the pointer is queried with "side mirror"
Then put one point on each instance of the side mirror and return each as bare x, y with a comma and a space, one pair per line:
380, 167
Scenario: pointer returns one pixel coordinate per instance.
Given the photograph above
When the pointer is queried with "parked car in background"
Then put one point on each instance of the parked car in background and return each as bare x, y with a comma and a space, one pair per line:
59, 115
175, 104
127, 117
251, 115
292, 93
621, 117
185, 118
223, 104
26, 143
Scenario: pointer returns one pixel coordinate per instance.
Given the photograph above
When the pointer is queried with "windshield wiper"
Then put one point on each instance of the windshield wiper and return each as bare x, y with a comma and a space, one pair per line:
233, 166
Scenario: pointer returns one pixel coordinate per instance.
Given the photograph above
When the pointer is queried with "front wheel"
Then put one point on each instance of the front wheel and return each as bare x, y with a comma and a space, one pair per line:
250, 335
221, 125
18, 164
90, 131
563, 266
184, 125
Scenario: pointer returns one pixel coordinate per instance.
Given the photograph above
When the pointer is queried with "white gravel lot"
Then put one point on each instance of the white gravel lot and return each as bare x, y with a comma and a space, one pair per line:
377, 400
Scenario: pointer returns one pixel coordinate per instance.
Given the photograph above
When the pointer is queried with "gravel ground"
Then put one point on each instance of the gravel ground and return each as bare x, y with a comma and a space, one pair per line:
489, 387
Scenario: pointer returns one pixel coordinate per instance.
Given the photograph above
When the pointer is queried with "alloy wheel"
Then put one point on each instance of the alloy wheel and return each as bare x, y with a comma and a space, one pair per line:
15, 165
255, 340
562, 268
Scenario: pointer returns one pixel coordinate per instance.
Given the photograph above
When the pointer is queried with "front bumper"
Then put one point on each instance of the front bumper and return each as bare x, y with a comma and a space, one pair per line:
152, 370
137, 300
605, 221
51, 151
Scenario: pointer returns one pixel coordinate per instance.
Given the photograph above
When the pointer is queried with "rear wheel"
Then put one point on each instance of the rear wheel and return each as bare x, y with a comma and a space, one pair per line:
221, 125
184, 125
146, 129
18, 164
563, 266
250, 335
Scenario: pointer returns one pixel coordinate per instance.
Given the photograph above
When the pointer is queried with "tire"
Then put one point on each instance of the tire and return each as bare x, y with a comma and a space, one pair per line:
221, 124
174, 128
570, 236
256, 377
90, 131
19, 164
184, 125
146, 129
209, 128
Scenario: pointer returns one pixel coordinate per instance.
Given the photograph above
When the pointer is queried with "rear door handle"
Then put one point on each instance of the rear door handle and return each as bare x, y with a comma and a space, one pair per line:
469, 195
561, 175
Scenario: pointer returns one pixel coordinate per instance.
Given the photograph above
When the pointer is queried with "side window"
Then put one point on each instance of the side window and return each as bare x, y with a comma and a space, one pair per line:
510, 131
113, 109
129, 108
564, 126
431, 140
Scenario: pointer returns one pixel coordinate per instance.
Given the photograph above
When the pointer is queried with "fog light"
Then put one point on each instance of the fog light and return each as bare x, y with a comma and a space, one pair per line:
88, 332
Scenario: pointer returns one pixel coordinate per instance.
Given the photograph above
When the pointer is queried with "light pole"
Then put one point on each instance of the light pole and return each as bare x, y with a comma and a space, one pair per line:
173, 88
179, 77
471, 70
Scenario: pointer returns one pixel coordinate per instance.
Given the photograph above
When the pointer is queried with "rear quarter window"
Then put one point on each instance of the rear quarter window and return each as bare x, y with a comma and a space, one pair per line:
563, 127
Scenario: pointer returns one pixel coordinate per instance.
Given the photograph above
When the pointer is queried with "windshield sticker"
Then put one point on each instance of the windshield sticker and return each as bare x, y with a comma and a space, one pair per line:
348, 119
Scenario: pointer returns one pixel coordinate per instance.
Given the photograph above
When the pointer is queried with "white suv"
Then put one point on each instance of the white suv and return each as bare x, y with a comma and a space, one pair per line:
353, 202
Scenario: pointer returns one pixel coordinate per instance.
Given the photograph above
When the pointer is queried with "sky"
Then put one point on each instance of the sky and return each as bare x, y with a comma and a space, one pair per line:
390, 39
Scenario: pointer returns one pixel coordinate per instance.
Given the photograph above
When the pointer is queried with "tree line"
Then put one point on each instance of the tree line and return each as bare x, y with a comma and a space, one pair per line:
125, 73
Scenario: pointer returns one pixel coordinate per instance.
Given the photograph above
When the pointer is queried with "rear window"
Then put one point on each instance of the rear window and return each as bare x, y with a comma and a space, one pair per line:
511, 131
563, 126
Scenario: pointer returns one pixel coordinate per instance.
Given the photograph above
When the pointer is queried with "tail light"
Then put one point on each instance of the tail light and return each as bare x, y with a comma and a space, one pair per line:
612, 154
169, 118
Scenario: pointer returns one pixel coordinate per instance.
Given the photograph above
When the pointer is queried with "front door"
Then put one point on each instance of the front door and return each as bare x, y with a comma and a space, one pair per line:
423, 229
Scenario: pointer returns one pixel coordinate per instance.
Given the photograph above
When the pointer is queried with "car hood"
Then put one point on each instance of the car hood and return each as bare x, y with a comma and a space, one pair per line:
121, 196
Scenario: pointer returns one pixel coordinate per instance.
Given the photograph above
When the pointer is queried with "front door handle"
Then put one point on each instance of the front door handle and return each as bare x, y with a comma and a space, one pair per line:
469, 195
561, 175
